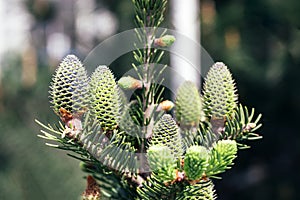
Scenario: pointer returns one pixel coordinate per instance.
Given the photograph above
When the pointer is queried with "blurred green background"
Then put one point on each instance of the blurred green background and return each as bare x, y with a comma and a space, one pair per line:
258, 39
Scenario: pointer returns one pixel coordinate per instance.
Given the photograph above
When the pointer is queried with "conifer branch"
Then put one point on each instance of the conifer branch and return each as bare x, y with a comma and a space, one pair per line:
134, 150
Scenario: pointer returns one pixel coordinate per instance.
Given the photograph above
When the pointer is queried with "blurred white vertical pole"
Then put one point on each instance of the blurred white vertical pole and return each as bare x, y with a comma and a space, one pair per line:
1, 49
185, 17
2, 18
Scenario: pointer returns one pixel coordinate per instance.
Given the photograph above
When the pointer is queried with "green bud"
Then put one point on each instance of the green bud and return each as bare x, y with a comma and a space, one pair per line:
69, 86
128, 83
165, 41
162, 162
220, 98
166, 132
105, 100
226, 147
188, 105
83, 166
195, 162
166, 105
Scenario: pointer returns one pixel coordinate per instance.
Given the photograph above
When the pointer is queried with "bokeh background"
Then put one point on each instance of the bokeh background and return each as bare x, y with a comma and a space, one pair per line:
258, 39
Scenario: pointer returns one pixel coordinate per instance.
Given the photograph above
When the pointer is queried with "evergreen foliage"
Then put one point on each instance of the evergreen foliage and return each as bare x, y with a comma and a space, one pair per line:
162, 162
135, 150
195, 162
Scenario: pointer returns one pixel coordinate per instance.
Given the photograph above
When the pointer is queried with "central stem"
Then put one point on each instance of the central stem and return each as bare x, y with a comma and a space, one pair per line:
148, 101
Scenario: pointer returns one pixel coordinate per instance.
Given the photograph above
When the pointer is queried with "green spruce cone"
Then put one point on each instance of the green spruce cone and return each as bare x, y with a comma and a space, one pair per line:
221, 157
104, 98
69, 86
162, 162
220, 98
195, 162
166, 132
188, 105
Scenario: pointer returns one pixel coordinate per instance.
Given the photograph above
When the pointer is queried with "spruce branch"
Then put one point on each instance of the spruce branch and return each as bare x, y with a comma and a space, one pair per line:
134, 150
203, 190
86, 147
149, 15
155, 189
242, 126
203, 136
162, 162
221, 158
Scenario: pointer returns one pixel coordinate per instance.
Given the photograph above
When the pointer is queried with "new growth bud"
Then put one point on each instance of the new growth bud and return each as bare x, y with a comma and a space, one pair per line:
162, 162
195, 162
165, 41
165, 106
129, 82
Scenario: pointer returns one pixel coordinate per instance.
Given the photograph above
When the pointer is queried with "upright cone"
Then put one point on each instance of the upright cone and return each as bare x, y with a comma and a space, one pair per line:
220, 98
104, 97
188, 105
166, 133
69, 86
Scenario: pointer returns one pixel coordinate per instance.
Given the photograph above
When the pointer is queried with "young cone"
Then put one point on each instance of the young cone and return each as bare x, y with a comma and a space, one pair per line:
166, 132
220, 98
69, 87
105, 100
188, 105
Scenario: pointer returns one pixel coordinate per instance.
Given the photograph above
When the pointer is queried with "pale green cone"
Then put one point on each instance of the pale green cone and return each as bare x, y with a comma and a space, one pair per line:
105, 100
166, 132
220, 98
123, 102
195, 162
188, 105
69, 86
